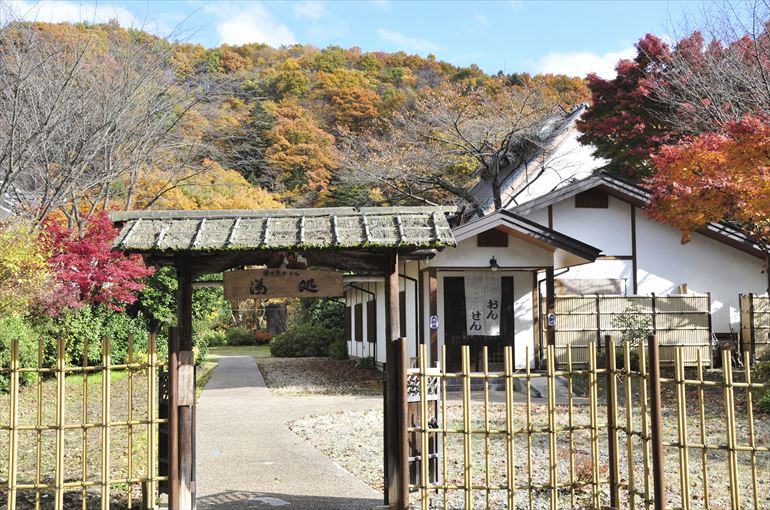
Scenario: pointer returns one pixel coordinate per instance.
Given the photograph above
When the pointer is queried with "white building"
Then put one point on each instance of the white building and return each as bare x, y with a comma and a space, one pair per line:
561, 214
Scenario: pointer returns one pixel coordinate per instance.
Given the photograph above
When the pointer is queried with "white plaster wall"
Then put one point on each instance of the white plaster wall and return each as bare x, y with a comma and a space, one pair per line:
519, 253
704, 264
607, 229
603, 268
523, 320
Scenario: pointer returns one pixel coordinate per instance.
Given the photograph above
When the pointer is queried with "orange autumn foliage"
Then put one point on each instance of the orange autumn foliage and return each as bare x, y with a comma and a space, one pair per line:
213, 187
714, 177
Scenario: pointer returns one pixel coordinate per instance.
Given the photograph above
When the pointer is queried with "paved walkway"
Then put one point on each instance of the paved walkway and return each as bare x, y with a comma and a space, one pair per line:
247, 458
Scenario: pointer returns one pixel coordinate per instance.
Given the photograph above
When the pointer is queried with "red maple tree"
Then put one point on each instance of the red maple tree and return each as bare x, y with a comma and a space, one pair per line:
87, 266
623, 123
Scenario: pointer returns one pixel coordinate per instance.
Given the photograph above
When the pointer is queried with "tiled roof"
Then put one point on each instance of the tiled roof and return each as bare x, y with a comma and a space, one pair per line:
231, 230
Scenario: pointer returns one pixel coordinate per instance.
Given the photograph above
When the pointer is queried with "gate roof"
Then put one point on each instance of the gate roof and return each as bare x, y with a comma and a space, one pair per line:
160, 235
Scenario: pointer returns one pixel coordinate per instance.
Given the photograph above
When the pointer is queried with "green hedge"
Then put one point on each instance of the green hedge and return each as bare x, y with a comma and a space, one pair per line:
306, 339
13, 327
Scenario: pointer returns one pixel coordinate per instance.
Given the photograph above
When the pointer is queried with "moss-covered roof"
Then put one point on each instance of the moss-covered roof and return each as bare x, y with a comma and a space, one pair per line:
230, 230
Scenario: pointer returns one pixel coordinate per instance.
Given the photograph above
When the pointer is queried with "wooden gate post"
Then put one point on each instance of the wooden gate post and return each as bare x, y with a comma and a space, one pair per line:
397, 439
656, 425
186, 389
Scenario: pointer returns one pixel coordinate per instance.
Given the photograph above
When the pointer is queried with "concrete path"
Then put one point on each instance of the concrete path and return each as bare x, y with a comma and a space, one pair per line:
247, 458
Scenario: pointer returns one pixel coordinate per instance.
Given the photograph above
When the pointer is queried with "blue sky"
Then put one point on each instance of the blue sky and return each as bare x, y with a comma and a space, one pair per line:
568, 37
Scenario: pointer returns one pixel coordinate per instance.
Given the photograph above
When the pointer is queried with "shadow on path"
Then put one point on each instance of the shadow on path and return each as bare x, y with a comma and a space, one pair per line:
238, 500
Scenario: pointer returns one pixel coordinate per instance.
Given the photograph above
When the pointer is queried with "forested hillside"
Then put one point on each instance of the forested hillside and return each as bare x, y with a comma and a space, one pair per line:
232, 127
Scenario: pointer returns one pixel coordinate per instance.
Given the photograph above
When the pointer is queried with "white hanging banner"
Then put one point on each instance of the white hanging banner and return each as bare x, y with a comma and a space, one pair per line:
482, 303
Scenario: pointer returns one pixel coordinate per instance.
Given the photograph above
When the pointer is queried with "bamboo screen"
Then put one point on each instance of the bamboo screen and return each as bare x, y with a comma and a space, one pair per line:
677, 320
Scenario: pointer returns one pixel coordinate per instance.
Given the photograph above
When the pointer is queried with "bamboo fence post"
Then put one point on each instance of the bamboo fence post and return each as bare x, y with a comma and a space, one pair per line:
682, 446
13, 423
443, 425
467, 464
646, 438
612, 421
551, 387
702, 417
528, 390
752, 431
59, 469
656, 415
509, 451
84, 422
629, 426
571, 425
732, 454
130, 416
424, 448
39, 422
105, 482
594, 427
151, 425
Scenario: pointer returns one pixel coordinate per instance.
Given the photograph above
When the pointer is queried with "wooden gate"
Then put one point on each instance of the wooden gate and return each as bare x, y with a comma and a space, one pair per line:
79, 434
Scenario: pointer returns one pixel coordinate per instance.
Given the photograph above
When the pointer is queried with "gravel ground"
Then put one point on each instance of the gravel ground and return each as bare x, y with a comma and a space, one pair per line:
318, 376
361, 453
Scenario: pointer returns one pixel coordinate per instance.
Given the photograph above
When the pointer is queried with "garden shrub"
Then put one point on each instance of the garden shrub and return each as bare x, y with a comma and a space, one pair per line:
325, 312
14, 327
214, 337
368, 363
338, 349
303, 340
240, 336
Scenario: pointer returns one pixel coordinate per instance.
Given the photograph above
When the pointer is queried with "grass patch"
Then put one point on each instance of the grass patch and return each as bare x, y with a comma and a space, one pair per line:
260, 351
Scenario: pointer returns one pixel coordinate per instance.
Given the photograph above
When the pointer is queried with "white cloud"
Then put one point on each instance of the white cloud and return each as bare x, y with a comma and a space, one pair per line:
311, 9
480, 19
384, 4
580, 63
247, 23
73, 12
406, 42
159, 22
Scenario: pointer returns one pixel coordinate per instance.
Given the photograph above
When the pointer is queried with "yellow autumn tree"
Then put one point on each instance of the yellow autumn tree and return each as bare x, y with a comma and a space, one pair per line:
300, 150
213, 187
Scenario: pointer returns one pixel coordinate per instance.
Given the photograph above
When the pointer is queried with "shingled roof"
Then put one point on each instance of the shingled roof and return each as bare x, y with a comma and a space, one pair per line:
271, 229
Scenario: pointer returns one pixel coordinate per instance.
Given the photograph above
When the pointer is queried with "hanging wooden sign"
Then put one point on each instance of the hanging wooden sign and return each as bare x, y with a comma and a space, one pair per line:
289, 283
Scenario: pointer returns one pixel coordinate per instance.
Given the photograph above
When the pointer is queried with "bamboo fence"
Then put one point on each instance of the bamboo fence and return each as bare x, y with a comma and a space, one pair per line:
95, 447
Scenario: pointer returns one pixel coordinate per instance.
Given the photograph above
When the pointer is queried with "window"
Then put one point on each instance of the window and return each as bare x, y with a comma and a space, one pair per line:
348, 324
402, 312
492, 239
371, 320
359, 322
592, 199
